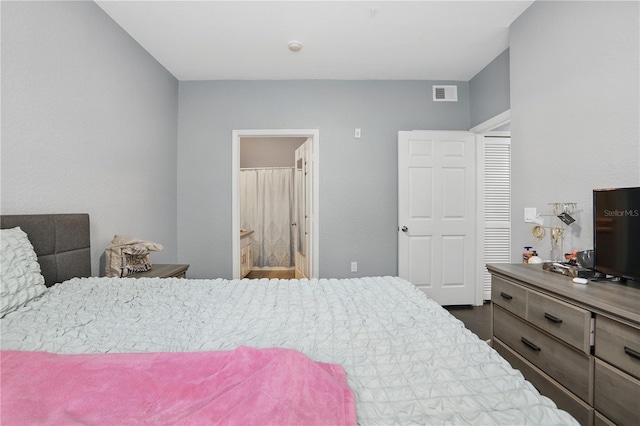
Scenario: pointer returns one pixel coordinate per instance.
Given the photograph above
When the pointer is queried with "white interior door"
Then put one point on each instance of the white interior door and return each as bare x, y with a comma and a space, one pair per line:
302, 225
436, 213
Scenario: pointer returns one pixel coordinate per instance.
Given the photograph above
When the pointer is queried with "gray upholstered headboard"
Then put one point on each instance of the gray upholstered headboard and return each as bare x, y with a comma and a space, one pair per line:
61, 242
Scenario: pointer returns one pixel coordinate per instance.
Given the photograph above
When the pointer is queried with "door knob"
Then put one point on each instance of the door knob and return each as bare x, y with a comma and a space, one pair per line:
405, 229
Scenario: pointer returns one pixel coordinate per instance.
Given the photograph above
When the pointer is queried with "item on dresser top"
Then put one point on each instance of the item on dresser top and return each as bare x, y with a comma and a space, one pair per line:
566, 218
571, 257
567, 269
585, 258
534, 259
125, 256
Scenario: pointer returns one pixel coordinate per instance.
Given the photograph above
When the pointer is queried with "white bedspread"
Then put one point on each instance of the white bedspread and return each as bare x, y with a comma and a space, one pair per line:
407, 359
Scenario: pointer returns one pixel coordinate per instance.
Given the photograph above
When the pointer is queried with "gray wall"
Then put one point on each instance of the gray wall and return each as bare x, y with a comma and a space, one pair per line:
575, 110
358, 177
89, 124
489, 92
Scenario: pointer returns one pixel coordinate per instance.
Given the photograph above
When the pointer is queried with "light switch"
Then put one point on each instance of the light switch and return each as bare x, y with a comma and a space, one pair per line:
358, 133
530, 214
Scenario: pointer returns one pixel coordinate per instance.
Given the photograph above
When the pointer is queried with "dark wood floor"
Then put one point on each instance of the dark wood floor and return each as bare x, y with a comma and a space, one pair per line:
475, 318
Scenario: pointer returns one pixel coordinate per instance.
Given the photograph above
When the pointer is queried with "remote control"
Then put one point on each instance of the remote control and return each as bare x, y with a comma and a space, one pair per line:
580, 280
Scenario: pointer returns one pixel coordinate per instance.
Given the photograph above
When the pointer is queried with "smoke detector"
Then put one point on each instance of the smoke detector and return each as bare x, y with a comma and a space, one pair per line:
445, 93
295, 46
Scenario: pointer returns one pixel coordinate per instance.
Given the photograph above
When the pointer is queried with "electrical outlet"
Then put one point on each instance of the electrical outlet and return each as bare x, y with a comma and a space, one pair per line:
354, 266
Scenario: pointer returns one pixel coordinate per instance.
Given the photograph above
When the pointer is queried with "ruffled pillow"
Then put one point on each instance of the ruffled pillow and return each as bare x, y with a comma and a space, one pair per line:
20, 277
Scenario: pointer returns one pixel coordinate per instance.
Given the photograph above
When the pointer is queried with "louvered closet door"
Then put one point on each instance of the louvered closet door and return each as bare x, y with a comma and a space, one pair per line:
497, 205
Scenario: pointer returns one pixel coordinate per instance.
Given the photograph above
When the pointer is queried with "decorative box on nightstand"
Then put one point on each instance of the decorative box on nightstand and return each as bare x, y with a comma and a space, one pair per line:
163, 271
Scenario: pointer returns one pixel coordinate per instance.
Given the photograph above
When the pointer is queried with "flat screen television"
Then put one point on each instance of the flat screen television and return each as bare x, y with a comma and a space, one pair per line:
616, 232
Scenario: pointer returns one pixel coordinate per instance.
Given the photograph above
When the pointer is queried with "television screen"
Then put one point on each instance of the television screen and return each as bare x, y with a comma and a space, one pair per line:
616, 235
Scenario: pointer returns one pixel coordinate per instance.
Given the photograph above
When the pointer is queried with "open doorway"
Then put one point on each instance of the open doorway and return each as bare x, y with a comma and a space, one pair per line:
268, 213
271, 237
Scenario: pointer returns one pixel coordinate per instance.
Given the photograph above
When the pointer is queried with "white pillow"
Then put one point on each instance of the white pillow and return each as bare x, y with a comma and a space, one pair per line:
20, 278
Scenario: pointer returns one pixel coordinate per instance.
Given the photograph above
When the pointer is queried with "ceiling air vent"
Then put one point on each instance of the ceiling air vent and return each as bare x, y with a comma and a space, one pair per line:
445, 93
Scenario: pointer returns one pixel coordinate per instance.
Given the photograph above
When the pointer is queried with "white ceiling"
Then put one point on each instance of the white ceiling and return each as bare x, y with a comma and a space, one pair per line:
350, 40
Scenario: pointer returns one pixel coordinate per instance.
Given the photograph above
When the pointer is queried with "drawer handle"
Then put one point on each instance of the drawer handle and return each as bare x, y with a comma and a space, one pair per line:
531, 344
632, 353
552, 318
505, 295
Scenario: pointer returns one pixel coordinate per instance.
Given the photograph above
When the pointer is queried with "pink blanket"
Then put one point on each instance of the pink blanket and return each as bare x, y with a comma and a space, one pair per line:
241, 387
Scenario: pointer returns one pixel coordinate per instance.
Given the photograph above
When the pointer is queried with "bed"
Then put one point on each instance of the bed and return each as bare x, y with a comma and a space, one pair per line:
402, 357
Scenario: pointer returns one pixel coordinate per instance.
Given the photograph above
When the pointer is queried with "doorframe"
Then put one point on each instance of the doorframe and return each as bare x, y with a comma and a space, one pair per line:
236, 135
492, 123
483, 129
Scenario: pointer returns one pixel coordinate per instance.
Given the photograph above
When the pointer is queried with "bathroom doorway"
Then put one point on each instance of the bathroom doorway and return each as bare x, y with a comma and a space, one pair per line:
274, 231
268, 219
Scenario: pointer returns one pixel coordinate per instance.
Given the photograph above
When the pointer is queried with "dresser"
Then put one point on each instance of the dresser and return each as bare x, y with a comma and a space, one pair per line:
578, 344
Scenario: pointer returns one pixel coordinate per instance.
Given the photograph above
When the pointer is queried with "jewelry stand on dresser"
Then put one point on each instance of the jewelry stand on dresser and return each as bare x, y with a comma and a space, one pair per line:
578, 344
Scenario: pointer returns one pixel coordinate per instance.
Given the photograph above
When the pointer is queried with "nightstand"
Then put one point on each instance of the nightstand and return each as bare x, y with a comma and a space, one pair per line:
163, 271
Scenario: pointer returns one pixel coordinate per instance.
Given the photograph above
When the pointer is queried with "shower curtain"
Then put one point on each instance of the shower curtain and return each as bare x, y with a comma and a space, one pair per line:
267, 208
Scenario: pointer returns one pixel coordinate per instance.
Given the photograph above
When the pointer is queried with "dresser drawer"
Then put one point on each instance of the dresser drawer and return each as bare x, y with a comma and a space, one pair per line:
618, 344
563, 320
569, 367
511, 297
548, 387
600, 420
617, 394
245, 241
